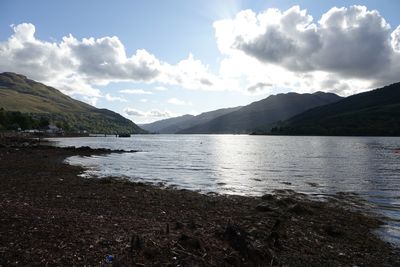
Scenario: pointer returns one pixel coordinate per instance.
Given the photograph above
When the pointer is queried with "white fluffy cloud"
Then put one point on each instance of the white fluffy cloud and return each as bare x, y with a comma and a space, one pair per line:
78, 66
147, 116
347, 49
105, 59
154, 113
396, 39
191, 73
115, 98
74, 66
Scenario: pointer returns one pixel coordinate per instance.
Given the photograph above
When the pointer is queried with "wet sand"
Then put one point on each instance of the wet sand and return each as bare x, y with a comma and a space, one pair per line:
50, 215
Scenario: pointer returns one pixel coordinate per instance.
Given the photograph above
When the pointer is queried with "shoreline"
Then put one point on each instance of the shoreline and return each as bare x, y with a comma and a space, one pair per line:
51, 215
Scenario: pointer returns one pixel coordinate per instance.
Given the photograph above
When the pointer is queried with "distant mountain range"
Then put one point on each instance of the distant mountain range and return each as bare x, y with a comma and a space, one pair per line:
177, 124
376, 112
261, 115
18, 93
257, 116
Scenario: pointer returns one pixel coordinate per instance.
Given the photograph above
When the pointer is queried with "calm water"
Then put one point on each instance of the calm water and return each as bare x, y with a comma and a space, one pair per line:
254, 165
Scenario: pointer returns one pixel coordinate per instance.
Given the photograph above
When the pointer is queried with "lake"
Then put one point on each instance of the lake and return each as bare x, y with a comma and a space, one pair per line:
255, 165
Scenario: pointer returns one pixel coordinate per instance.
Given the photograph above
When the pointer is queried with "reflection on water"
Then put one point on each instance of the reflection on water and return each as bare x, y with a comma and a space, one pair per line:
254, 165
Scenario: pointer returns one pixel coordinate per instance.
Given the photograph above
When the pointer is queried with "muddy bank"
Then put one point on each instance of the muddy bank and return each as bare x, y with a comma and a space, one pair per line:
50, 215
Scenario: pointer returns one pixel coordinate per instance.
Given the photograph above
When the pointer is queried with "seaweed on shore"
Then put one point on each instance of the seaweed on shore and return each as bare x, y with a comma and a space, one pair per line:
50, 215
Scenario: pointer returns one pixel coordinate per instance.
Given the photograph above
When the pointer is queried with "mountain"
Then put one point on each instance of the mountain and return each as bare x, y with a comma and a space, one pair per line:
167, 126
376, 112
18, 93
261, 115
174, 125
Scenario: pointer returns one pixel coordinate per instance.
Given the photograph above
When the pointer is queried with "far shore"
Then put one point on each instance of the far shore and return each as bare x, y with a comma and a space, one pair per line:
52, 216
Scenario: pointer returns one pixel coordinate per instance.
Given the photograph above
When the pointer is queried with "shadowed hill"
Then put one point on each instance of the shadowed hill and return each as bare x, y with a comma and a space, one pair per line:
376, 112
261, 115
18, 93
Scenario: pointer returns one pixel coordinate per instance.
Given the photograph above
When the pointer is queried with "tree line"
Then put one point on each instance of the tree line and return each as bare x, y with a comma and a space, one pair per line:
15, 120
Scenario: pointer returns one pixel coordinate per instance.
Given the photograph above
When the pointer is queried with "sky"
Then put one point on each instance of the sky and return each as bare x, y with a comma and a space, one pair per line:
151, 60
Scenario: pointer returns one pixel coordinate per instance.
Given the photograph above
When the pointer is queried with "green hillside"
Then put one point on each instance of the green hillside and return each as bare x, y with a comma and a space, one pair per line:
18, 93
376, 112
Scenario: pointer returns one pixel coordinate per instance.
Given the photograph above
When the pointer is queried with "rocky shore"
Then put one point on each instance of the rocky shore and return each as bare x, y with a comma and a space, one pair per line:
51, 216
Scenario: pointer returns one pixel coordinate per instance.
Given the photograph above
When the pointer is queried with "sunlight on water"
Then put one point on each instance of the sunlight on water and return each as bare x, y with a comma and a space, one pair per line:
254, 165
